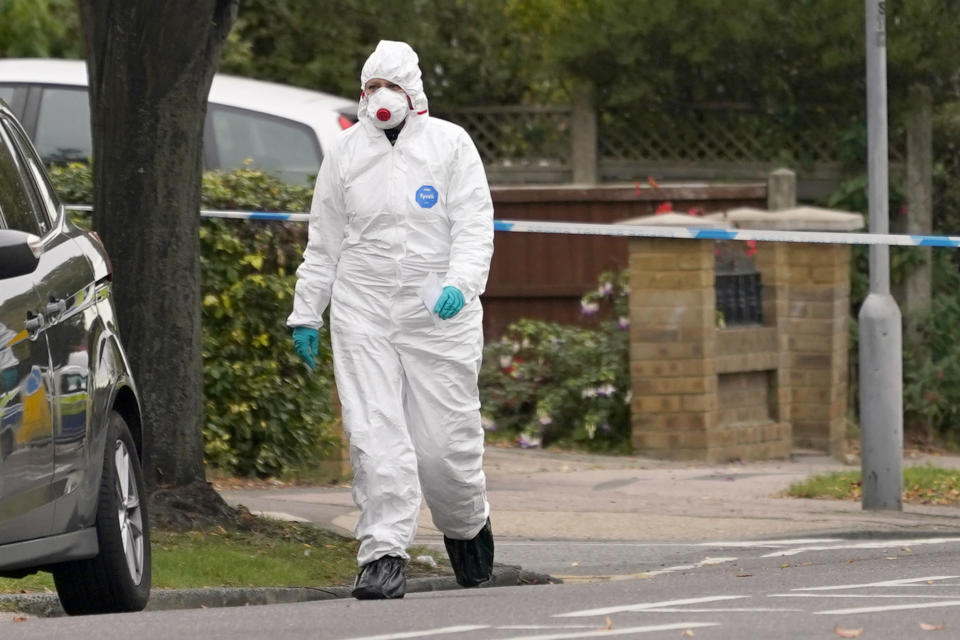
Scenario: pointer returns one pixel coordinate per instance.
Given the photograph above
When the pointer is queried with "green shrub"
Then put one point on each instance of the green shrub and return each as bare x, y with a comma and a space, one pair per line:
264, 413
931, 370
546, 384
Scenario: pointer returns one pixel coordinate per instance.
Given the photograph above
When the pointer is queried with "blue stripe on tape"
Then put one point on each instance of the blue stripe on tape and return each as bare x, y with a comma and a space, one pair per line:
935, 241
713, 234
502, 226
263, 215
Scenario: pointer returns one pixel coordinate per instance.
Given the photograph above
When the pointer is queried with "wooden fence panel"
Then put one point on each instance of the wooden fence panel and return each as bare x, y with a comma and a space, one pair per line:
543, 276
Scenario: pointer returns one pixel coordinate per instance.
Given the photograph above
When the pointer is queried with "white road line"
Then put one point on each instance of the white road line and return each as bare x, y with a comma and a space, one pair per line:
423, 633
731, 610
643, 606
706, 562
604, 633
893, 607
542, 627
768, 543
905, 582
873, 544
851, 595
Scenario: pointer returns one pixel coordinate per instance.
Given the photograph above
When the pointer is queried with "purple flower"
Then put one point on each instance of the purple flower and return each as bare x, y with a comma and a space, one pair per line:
545, 420
607, 288
623, 322
488, 424
589, 308
528, 442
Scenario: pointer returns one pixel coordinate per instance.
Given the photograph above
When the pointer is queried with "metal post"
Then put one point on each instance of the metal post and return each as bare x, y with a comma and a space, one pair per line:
881, 367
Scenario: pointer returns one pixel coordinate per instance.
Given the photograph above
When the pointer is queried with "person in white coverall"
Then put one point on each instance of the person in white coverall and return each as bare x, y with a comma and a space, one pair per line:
400, 241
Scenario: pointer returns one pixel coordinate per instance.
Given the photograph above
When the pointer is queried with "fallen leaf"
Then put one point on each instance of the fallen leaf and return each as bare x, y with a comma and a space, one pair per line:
688, 633
743, 575
574, 564
785, 566
19, 618
892, 558
847, 633
609, 623
931, 627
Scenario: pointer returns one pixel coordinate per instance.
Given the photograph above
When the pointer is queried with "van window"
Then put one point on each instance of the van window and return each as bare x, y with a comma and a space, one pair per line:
283, 147
6, 94
63, 129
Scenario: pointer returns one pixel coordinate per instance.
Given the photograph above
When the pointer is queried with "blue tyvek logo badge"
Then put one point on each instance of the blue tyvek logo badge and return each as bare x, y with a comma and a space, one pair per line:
427, 196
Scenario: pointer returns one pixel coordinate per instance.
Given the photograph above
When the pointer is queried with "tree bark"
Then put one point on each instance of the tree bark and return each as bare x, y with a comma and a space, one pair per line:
150, 65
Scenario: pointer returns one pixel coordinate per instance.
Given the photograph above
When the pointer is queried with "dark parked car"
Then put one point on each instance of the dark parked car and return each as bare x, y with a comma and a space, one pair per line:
71, 488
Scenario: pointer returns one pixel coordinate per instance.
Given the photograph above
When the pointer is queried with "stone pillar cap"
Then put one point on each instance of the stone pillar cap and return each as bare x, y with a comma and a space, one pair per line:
677, 220
793, 219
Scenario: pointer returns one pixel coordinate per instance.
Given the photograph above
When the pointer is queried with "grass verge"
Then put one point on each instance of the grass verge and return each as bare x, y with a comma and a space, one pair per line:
921, 485
276, 554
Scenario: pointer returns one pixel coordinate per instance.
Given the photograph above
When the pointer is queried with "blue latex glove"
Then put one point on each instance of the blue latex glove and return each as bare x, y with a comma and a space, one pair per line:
306, 341
449, 303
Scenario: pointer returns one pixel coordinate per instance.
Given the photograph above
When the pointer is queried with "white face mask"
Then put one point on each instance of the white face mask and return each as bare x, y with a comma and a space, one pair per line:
387, 108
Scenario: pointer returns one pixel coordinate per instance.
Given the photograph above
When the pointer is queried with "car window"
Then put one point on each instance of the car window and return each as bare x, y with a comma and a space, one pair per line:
63, 126
48, 195
16, 207
286, 148
6, 94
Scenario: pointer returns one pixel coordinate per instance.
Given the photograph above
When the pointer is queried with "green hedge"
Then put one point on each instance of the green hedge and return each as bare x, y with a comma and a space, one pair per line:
264, 412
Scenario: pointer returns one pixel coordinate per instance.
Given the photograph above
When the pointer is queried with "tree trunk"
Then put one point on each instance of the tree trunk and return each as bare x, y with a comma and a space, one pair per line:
150, 66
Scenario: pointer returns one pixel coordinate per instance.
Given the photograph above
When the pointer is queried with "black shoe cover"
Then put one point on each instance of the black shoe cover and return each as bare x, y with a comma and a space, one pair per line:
472, 560
381, 579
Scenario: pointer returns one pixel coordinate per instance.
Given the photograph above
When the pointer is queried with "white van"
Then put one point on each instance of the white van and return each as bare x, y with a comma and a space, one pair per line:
276, 128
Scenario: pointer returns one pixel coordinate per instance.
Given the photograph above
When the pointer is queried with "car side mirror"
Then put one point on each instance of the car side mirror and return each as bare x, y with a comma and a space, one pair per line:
19, 253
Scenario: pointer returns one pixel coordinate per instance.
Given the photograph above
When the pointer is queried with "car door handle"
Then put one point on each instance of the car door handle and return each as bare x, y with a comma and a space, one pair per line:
34, 323
55, 308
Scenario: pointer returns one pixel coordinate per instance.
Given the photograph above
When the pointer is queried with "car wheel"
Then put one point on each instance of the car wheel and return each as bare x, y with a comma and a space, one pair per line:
118, 578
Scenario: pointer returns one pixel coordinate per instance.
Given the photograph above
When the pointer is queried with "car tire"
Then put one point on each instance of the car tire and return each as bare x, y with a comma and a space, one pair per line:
118, 578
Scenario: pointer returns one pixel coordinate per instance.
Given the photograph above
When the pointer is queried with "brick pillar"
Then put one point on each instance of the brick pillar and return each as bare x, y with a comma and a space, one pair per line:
772, 263
818, 310
672, 347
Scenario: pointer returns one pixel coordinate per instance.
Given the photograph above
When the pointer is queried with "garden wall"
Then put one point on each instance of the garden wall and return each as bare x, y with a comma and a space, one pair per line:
702, 390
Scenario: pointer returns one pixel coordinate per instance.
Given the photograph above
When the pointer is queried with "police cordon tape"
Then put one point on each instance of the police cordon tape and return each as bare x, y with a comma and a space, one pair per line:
643, 231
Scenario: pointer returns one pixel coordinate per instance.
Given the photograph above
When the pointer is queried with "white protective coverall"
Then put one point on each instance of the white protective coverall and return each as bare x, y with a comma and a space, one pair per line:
383, 218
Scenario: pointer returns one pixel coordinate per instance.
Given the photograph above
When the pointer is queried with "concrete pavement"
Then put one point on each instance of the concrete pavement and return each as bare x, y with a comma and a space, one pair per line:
545, 495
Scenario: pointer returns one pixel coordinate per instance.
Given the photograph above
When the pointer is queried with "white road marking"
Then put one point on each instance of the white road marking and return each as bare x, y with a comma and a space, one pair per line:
604, 633
851, 595
706, 562
423, 633
731, 610
643, 606
768, 543
893, 607
904, 582
542, 627
872, 544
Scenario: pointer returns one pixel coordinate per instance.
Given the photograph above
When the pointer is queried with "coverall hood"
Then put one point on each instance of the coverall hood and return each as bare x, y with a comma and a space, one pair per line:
398, 63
